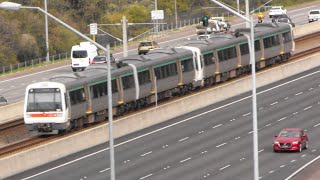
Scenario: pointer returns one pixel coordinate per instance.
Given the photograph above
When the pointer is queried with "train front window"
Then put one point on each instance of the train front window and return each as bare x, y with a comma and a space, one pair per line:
44, 100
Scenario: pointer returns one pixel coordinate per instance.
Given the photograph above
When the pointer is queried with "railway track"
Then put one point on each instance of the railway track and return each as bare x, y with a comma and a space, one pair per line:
14, 137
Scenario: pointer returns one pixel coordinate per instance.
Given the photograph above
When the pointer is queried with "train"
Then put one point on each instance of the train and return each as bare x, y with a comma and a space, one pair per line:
76, 99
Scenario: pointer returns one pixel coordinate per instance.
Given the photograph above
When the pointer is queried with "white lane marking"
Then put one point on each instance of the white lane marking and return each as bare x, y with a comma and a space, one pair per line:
146, 153
237, 138
273, 103
316, 125
185, 160
282, 166
206, 175
310, 89
307, 108
286, 98
271, 172
217, 126
183, 139
221, 145
203, 152
166, 167
247, 114
282, 119
303, 155
293, 160
268, 125
104, 170
126, 161
298, 93
260, 108
313, 150
146, 176
232, 120
242, 159
260, 150
171, 125
201, 132
224, 167
165, 146
250, 132
295, 113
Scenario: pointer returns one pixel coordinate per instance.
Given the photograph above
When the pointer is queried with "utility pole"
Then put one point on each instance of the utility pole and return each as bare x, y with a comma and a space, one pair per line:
125, 36
175, 12
47, 34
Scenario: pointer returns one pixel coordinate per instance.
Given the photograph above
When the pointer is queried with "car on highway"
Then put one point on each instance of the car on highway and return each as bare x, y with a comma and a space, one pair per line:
291, 139
145, 46
277, 10
3, 101
285, 21
313, 15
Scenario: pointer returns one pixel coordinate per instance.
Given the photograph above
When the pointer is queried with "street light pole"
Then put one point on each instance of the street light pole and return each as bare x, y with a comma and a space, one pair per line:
254, 94
16, 6
47, 34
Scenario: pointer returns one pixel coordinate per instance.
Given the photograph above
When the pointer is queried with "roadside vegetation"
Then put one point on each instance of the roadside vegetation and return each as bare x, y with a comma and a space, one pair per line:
22, 33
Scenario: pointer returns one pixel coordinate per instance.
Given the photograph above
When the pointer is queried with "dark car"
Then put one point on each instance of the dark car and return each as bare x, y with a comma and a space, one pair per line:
3, 101
145, 46
291, 139
102, 59
286, 21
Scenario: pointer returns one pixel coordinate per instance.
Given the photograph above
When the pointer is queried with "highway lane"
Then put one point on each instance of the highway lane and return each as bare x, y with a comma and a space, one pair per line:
212, 143
13, 89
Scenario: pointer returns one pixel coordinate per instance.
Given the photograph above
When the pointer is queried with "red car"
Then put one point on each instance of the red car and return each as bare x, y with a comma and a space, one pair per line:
291, 139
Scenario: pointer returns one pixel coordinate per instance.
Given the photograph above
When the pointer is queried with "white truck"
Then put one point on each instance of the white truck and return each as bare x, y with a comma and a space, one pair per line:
219, 24
82, 55
314, 15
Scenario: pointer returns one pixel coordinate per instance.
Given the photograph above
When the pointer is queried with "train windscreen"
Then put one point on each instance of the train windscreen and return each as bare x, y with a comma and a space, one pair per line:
44, 100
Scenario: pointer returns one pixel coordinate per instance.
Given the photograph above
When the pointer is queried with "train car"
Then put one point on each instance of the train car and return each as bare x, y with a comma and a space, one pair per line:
140, 80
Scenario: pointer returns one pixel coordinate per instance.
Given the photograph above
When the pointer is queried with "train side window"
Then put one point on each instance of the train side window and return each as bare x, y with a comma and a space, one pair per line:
208, 59
144, 77
271, 41
77, 96
99, 90
113, 86
166, 71
128, 81
257, 45
187, 65
244, 49
226, 54
286, 37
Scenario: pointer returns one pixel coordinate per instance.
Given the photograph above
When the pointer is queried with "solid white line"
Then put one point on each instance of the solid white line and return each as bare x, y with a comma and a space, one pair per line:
282, 166
185, 160
146, 153
247, 114
293, 161
183, 139
296, 172
217, 126
298, 93
146, 176
224, 167
221, 145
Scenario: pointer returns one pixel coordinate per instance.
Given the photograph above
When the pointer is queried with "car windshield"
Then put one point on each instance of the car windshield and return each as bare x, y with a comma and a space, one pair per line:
283, 20
314, 12
145, 44
292, 133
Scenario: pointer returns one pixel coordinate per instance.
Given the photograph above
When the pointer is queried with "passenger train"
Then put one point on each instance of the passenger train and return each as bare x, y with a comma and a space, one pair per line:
72, 100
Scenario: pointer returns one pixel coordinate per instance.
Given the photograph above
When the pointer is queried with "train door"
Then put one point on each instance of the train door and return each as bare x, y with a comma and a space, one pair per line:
197, 64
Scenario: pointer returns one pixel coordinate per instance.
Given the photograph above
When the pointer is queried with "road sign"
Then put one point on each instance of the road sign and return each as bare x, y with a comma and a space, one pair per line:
93, 29
157, 14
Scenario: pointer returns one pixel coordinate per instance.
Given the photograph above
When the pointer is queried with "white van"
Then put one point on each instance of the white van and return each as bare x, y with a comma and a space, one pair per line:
82, 55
